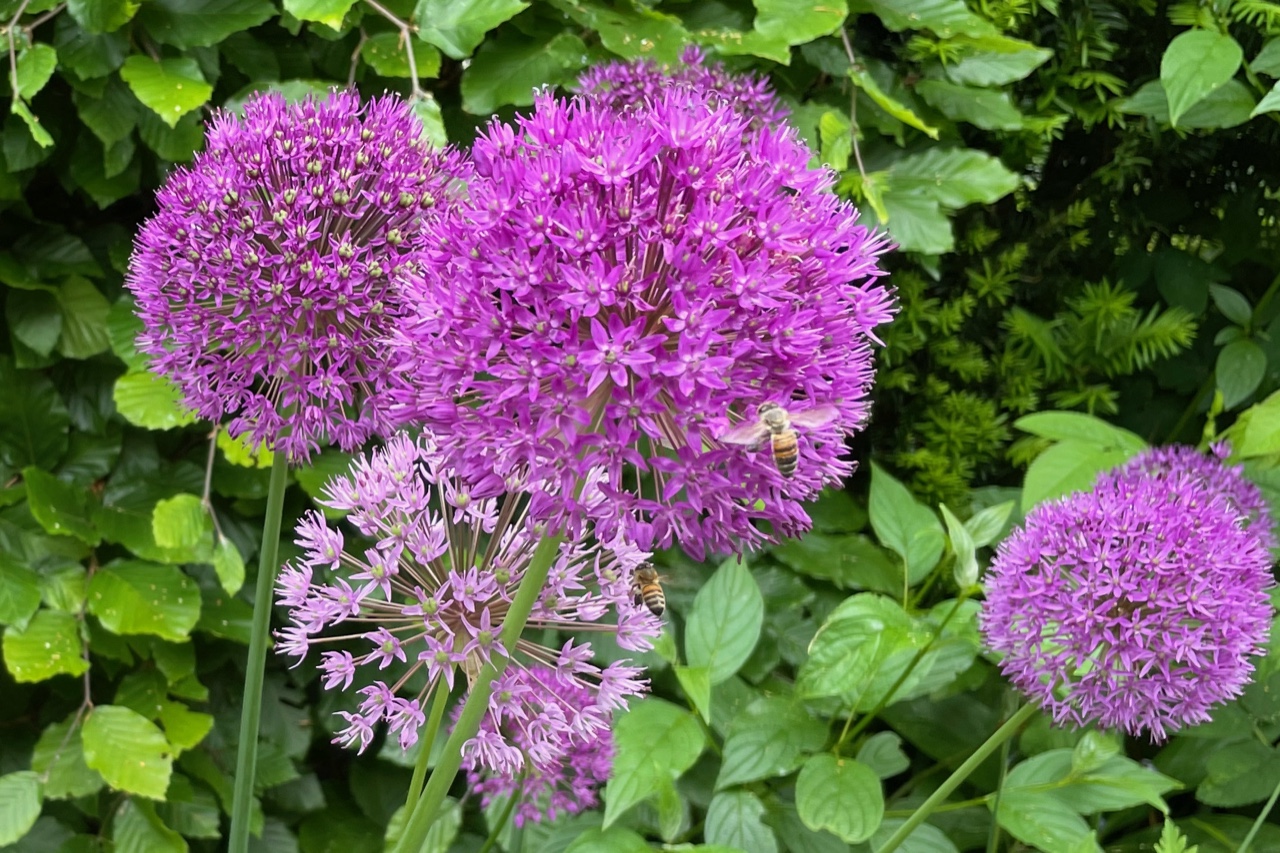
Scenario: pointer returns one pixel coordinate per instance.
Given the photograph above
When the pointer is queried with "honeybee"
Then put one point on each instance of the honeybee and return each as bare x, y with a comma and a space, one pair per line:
776, 424
647, 587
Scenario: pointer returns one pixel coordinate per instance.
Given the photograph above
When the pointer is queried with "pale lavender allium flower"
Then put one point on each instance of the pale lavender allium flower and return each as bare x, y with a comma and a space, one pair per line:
627, 285
619, 84
1135, 606
265, 279
561, 777
426, 594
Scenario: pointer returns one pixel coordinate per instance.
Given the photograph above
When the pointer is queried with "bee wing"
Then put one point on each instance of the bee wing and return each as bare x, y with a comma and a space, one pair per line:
815, 417
749, 434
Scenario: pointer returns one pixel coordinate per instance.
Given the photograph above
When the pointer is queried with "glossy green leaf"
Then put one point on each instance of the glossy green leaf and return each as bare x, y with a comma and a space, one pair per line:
942, 17
135, 597
102, 16
458, 28
986, 525
798, 22
1232, 303
771, 737
327, 12
39, 136
632, 31
34, 318
228, 564
180, 522
19, 591
904, 525
1039, 819
993, 60
151, 401
19, 804
386, 54
183, 727
1268, 59
1066, 467
695, 681
1082, 428
128, 750
1261, 429
170, 88
882, 752
864, 81
34, 68
1239, 371
33, 419
1227, 106
59, 759
736, 820
965, 570
61, 508
953, 177
984, 108
201, 23
724, 624
508, 68
612, 840
48, 646
1194, 64
84, 319
839, 795
654, 742
1239, 774
86, 55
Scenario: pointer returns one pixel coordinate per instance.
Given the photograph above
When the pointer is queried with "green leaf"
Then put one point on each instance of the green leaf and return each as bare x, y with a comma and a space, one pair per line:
1172, 840
458, 26
1042, 821
1068, 466
916, 222
1240, 774
1270, 102
228, 565
904, 525
841, 796
102, 16
1227, 106
632, 30
769, 738
328, 12
170, 88
19, 804
1232, 303
508, 67
984, 108
150, 401
798, 21
19, 591
39, 135
986, 525
1268, 59
1194, 64
180, 522
35, 67
882, 752
86, 55
177, 144
654, 742
965, 570
724, 624
1081, 428
428, 112
135, 597
1261, 433
183, 727
695, 681
1241, 367
946, 18
128, 750
60, 508
864, 81
34, 318
736, 820
386, 55
953, 177
84, 319
239, 451
993, 60
59, 758
612, 840
49, 646
202, 23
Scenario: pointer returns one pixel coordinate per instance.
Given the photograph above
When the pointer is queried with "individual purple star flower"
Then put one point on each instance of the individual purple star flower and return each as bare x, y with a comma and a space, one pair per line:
564, 771
628, 285
619, 84
1135, 606
265, 278
425, 597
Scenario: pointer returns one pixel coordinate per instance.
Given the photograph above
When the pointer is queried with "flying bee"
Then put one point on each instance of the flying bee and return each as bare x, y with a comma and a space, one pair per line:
646, 585
777, 424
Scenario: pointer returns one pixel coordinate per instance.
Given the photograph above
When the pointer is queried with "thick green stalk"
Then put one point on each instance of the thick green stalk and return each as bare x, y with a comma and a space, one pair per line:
961, 773
473, 710
251, 714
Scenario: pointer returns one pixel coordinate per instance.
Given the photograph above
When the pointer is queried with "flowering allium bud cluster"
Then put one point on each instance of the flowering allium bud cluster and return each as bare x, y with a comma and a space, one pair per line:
431, 594
626, 285
265, 279
1135, 606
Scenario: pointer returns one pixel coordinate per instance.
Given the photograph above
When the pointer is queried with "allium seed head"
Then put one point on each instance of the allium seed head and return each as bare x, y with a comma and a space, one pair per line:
1135, 606
630, 284
428, 595
265, 278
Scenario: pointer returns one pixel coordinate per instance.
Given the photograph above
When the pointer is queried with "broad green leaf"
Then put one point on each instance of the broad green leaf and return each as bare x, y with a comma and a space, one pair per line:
1270, 102
864, 81
1227, 106
428, 112
147, 400
84, 319
138, 829
994, 60
916, 221
654, 742
882, 752
953, 177
1194, 64
965, 570
386, 54
836, 134
202, 23
612, 840
458, 26
1240, 774
731, 41
50, 645
180, 522
34, 68
59, 758
170, 88
1041, 820
1261, 432
736, 820
1232, 303
1268, 59
695, 681
34, 318
177, 144
183, 727
62, 509
19, 804
943, 17
904, 525
724, 624
128, 750
1241, 367
771, 737
507, 68
86, 55
984, 108
1068, 466
123, 328
327, 12
225, 616
238, 451
632, 31
193, 811
1110, 783
38, 134
798, 21
19, 591
839, 795
135, 597
1081, 428
987, 524
925, 838
228, 565
102, 16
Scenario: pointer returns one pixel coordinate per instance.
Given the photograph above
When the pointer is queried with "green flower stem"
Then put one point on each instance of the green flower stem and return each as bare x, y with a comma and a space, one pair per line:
438, 704
251, 714
535, 577
961, 773
1257, 824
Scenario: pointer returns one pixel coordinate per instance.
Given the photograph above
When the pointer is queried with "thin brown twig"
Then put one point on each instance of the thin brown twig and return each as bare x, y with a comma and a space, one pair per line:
13, 50
355, 57
853, 106
416, 93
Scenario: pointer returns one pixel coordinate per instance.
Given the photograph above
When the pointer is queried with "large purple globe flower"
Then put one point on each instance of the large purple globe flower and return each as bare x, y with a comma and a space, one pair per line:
629, 284
428, 593
264, 280
1135, 606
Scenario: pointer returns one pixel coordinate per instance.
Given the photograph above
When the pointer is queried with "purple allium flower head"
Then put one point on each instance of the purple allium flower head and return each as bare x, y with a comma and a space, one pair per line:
628, 285
564, 771
264, 280
1135, 606
619, 84
430, 594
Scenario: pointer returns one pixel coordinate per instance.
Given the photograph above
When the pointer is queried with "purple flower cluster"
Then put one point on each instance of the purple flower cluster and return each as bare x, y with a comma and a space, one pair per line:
624, 286
431, 593
265, 281
619, 84
1135, 606
562, 777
